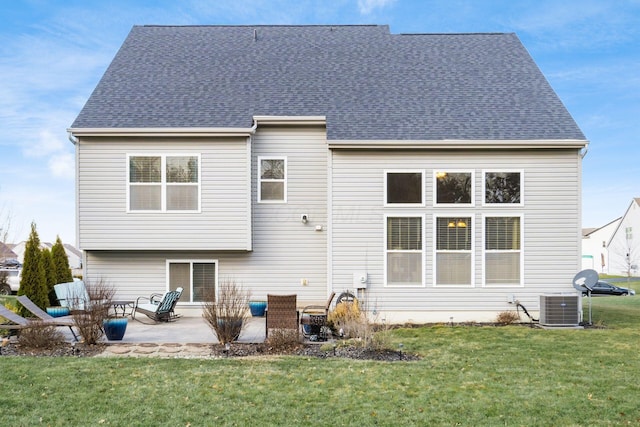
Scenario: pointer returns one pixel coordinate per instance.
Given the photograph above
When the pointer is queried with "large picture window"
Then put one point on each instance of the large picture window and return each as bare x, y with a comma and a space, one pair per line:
453, 250
164, 183
503, 250
197, 278
272, 180
453, 188
503, 188
403, 188
404, 251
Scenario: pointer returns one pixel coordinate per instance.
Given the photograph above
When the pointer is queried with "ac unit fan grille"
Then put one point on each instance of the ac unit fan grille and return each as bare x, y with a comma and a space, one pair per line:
559, 310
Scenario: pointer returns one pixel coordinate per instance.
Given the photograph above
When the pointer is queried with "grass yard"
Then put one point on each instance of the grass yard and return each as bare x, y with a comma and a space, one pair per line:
470, 376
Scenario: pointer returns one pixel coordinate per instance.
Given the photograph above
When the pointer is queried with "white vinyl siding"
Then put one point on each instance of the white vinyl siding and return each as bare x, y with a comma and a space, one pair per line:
285, 250
550, 225
223, 221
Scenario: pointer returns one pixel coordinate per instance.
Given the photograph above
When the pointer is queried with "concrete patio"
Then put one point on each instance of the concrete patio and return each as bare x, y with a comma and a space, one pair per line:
185, 330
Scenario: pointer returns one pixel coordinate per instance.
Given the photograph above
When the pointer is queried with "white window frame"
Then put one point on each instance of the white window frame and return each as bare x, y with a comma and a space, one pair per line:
191, 262
485, 251
405, 205
163, 182
453, 214
503, 205
387, 251
456, 205
260, 180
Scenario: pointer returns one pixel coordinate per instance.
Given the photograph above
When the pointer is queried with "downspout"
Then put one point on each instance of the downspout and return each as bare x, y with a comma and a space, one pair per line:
252, 132
73, 139
584, 151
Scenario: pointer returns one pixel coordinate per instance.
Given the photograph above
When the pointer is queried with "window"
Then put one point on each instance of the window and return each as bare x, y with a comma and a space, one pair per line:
453, 251
272, 185
197, 278
503, 251
164, 183
403, 187
502, 187
454, 188
404, 251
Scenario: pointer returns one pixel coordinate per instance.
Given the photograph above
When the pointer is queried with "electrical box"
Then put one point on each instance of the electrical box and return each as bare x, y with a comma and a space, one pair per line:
360, 280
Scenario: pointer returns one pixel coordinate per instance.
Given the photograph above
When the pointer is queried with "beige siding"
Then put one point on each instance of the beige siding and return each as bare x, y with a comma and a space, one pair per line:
551, 243
285, 251
223, 222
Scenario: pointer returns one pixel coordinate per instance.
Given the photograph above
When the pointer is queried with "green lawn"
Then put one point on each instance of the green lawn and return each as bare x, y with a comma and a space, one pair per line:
468, 376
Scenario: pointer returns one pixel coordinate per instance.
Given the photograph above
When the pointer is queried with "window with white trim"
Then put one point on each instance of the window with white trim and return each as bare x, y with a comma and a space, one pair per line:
503, 250
502, 188
453, 188
454, 245
197, 278
272, 179
164, 183
404, 251
403, 188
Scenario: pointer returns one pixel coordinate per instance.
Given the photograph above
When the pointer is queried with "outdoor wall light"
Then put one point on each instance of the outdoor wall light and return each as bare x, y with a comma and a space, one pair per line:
304, 218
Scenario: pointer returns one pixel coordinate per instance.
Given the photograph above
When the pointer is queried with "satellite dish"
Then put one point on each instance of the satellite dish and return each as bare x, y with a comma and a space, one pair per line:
585, 280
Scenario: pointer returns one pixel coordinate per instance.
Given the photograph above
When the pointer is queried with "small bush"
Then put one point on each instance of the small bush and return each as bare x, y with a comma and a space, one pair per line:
351, 322
227, 315
89, 321
507, 317
282, 340
40, 336
346, 318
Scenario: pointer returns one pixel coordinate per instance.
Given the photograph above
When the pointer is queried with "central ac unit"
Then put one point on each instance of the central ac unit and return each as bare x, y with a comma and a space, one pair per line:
560, 310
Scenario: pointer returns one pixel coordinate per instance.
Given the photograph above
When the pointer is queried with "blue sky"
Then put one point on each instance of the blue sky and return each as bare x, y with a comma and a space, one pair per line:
53, 52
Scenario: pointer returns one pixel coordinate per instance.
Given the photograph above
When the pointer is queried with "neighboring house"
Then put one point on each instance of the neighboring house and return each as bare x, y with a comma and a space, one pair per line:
6, 253
595, 255
73, 254
624, 245
435, 175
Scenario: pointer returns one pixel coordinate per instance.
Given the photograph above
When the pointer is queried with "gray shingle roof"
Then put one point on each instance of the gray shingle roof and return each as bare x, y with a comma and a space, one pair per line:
370, 84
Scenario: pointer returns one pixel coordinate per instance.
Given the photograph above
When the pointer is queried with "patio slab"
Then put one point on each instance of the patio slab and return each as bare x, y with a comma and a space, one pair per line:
185, 330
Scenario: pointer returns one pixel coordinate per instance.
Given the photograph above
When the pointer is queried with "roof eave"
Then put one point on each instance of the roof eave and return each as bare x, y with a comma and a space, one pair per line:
458, 144
161, 132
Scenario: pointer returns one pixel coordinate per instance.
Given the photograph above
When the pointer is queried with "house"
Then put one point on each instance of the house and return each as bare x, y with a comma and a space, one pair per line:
623, 247
6, 254
73, 254
595, 255
435, 176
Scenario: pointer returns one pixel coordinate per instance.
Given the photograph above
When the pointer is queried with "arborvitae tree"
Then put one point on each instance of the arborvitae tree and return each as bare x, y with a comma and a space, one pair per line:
50, 273
61, 261
34, 280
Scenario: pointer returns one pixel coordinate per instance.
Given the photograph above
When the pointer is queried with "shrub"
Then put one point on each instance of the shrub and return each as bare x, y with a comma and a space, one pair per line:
89, 321
282, 340
227, 315
61, 262
351, 322
39, 335
507, 317
34, 281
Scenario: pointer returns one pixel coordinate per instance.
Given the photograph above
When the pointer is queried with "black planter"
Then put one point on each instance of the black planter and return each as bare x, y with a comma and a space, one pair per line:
231, 328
